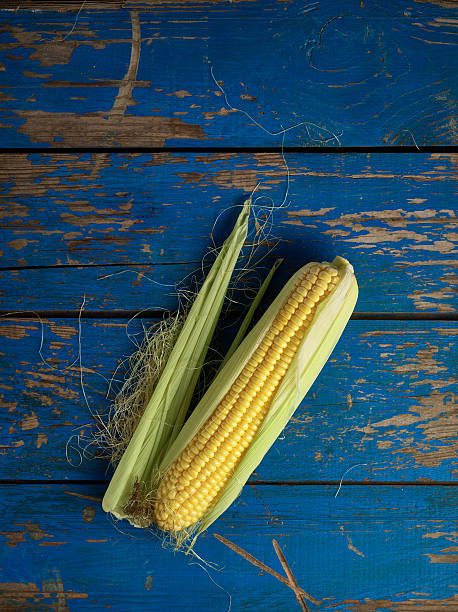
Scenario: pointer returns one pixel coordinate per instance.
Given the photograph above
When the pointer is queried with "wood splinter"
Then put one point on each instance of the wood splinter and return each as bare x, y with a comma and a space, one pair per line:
289, 573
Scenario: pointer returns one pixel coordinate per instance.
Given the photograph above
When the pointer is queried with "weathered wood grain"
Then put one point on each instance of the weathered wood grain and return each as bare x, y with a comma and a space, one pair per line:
384, 406
369, 549
392, 216
136, 73
370, 73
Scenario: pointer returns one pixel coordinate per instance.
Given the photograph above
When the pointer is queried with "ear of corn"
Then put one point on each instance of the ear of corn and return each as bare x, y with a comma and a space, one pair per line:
191, 473
253, 396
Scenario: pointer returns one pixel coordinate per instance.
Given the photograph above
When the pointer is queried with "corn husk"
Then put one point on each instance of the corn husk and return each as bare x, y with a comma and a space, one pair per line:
249, 315
164, 414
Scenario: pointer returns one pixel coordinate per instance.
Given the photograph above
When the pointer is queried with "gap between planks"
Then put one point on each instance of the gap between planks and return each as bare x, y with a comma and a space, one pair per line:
257, 483
154, 314
212, 150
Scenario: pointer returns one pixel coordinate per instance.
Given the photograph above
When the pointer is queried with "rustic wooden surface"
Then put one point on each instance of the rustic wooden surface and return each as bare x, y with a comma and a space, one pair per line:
360, 489
363, 73
392, 215
369, 548
392, 412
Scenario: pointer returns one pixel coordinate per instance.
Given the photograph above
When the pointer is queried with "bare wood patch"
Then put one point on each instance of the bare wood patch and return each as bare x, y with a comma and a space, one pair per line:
409, 605
92, 130
81, 496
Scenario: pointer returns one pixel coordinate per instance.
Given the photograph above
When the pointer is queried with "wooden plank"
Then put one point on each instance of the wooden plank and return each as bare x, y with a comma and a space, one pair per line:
392, 216
383, 408
369, 549
99, 77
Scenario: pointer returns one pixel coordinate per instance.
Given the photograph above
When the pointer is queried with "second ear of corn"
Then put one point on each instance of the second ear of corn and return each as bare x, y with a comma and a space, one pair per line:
201, 465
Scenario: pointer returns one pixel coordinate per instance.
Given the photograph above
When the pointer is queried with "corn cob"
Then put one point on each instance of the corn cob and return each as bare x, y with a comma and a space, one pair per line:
196, 478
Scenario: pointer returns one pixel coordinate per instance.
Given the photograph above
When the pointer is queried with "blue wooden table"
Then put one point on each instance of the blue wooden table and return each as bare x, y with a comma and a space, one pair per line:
129, 131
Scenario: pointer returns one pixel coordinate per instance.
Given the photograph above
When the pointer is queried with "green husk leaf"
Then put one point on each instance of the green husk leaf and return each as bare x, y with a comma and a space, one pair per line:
165, 412
249, 315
